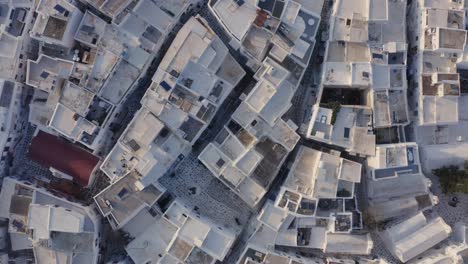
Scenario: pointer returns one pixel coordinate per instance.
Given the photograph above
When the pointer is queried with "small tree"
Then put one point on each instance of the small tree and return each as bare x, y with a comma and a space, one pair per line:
465, 167
335, 107
343, 193
451, 177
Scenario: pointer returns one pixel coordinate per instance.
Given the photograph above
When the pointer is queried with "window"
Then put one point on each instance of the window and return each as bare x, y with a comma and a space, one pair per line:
377, 56
44, 75
220, 163
346, 132
323, 119
152, 212
122, 193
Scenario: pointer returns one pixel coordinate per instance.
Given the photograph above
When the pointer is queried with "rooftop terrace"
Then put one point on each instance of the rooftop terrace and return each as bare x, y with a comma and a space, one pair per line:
181, 236
122, 200
57, 22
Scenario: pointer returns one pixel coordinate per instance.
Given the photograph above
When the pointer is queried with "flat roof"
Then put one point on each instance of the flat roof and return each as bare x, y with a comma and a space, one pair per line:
178, 235
313, 6
8, 45
76, 98
57, 22
190, 101
439, 110
417, 234
110, 7
152, 14
238, 19
65, 227
301, 177
272, 215
433, 61
291, 26
51, 151
378, 10
394, 155
388, 188
347, 9
318, 174
451, 38
444, 4
445, 18
350, 129
350, 171
174, 7
441, 145
390, 108
141, 132
122, 78
45, 70
393, 27
257, 41
91, 29
392, 209
186, 91
123, 199
354, 28
103, 64
119, 162
279, 103
64, 121
227, 156
349, 244
338, 73
45, 219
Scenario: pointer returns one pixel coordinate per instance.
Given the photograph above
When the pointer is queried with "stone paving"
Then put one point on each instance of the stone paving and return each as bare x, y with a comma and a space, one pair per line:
450, 214
23, 167
198, 188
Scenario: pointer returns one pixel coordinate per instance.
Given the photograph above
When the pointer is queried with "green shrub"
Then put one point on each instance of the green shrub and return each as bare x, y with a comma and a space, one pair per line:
452, 179
335, 107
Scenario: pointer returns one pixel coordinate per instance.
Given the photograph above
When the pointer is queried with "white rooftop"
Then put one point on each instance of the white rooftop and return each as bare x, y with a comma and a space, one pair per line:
59, 230
290, 28
44, 219
414, 236
181, 236
237, 19
90, 30
57, 22
247, 153
317, 174
349, 244
44, 72
345, 8
350, 129
187, 89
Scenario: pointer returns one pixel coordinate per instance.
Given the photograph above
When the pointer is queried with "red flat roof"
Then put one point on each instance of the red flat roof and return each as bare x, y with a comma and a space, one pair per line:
52, 151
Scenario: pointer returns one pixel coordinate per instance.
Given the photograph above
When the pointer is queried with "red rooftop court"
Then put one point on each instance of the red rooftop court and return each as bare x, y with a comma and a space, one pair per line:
52, 151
